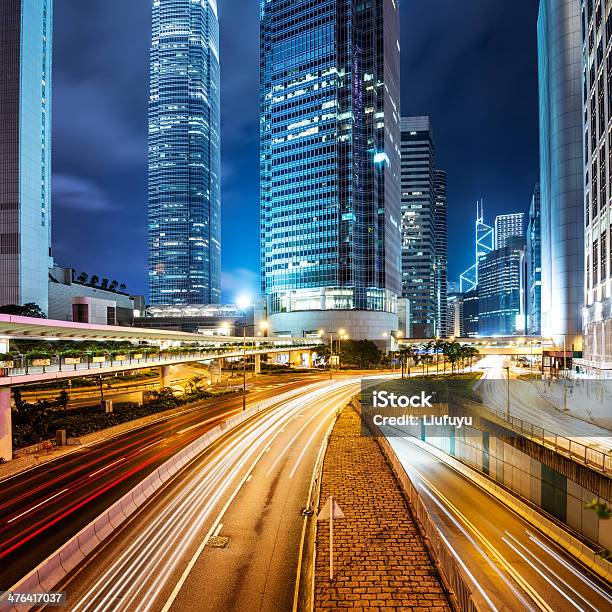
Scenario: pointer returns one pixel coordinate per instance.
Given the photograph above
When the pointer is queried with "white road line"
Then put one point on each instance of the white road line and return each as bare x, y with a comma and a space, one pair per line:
217, 530
106, 467
535, 558
567, 566
537, 569
37, 506
150, 445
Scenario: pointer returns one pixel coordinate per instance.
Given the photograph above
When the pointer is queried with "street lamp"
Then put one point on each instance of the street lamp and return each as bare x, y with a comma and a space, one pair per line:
508, 398
263, 325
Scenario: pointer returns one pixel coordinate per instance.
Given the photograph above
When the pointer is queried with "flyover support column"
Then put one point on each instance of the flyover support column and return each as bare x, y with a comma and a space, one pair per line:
214, 369
164, 376
257, 364
6, 427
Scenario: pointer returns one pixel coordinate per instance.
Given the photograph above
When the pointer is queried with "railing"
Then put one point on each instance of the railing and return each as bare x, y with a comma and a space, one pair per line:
454, 576
88, 364
587, 455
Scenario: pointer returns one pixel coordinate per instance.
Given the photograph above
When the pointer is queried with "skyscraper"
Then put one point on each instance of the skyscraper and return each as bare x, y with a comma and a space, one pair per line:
184, 154
534, 267
484, 243
26, 33
419, 202
330, 213
441, 271
508, 226
597, 176
499, 290
561, 170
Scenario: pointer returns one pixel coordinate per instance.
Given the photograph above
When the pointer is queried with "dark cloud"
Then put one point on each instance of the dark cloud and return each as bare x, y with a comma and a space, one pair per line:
471, 65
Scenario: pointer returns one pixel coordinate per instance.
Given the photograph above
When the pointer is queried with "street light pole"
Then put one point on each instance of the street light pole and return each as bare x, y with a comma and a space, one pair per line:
244, 368
508, 398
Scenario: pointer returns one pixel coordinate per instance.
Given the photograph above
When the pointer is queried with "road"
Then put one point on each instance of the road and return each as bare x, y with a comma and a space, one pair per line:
512, 565
43, 507
251, 488
527, 404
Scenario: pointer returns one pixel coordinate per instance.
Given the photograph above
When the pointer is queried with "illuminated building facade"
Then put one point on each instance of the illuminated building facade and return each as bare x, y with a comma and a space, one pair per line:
26, 32
329, 131
184, 154
561, 170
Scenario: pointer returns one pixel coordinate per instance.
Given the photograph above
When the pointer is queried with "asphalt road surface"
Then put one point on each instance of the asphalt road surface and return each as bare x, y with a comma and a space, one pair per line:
251, 488
512, 565
43, 507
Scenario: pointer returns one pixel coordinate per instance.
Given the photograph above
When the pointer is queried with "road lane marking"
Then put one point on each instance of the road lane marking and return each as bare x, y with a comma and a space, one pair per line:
37, 505
539, 571
563, 562
217, 530
150, 445
496, 554
179, 585
538, 560
106, 467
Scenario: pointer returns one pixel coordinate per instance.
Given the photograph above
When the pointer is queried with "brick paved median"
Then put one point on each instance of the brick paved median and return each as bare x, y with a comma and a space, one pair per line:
380, 560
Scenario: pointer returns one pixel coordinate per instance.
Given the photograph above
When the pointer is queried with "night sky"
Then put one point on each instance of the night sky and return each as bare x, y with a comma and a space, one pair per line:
470, 64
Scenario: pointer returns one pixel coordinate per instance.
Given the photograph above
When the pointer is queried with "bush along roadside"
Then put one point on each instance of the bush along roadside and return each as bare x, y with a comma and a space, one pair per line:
35, 423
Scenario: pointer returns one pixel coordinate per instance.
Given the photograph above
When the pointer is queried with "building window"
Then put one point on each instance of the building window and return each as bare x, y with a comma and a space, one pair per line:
80, 313
111, 315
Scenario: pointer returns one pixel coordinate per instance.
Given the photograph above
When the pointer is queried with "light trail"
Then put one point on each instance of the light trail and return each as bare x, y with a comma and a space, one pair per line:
134, 577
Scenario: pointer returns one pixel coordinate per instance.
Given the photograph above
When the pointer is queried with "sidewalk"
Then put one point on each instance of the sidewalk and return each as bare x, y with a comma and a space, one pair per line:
380, 560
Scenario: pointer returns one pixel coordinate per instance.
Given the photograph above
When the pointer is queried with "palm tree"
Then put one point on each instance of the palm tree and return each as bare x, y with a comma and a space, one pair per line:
94, 280
122, 287
83, 276
113, 285
104, 284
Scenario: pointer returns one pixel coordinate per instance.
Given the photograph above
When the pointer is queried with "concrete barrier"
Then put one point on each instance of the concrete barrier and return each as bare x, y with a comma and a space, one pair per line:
54, 568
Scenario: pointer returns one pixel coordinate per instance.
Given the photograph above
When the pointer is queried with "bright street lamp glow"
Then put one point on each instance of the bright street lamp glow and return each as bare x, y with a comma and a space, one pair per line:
244, 301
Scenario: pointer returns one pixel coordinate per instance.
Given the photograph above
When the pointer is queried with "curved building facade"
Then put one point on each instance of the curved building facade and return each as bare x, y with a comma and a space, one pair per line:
184, 154
561, 170
330, 204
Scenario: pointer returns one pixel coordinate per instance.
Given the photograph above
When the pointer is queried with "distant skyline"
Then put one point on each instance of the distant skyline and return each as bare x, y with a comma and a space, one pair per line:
471, 66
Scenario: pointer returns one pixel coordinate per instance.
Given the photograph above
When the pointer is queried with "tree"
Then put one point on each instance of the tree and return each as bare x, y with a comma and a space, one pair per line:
82, 278
26, 310
104, 284
122, 287
62, 400
113, 286
94, 280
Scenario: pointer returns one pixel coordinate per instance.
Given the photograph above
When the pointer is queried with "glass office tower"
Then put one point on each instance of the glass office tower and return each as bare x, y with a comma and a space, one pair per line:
441, 227
561, 166
184, 154
330, 245
26, 28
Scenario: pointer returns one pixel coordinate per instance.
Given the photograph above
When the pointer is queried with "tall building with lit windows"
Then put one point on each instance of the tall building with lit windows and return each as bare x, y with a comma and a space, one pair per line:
424, 230
441, 272
184, 154
26, 32
508, 226
561, 171
330, 163
596, 22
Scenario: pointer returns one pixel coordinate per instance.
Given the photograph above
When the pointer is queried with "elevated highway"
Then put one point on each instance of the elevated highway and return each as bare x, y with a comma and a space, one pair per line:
495, 345
149, 348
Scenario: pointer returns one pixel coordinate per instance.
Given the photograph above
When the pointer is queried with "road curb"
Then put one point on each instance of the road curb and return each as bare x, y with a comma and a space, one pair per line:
51, 571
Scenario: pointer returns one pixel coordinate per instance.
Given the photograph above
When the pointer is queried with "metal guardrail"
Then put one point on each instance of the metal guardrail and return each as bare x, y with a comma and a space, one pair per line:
89, 364
453, 574
588, 456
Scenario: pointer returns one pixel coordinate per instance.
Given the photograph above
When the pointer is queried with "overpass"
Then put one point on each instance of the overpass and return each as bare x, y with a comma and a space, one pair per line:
150, 348
496, 345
